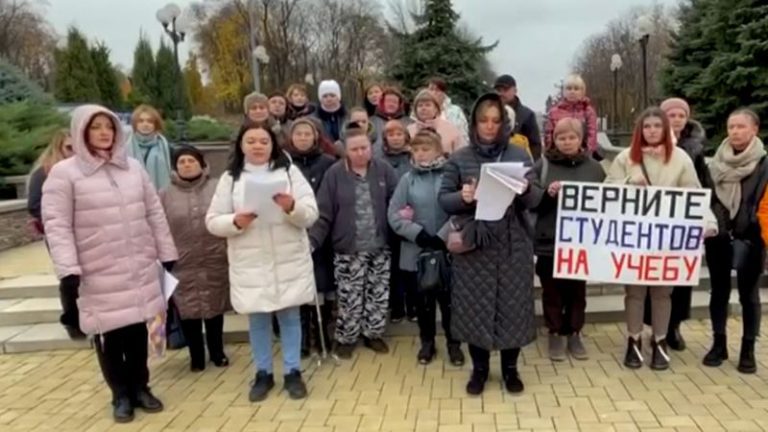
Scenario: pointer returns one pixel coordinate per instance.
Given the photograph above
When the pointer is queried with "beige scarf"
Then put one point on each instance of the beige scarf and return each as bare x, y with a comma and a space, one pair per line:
729, 169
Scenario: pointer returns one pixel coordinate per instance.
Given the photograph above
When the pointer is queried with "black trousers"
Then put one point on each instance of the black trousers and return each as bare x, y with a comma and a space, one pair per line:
403, 300
719, 258
214, 332
564, 301
310, 329
426, 310
481, 359
122, 355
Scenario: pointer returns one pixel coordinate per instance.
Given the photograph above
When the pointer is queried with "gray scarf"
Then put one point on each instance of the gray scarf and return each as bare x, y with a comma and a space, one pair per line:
728, 169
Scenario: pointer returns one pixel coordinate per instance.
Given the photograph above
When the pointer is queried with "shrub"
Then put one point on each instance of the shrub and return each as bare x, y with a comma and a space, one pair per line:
202, 128
25, 130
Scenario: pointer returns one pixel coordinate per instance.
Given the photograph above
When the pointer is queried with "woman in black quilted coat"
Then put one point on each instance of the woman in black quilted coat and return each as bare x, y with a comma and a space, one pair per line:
493, 282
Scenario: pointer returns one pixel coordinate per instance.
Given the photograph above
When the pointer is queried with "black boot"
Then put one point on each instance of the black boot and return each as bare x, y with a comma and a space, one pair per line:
145, 400
261, 386
294, 385
122, 410
718, 353
660, 358
512, 381
426, 353
675, 340
634, 357
476, 384
747, 364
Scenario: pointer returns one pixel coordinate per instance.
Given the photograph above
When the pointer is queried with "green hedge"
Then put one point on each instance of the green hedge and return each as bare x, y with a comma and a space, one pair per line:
202, 128
25, 130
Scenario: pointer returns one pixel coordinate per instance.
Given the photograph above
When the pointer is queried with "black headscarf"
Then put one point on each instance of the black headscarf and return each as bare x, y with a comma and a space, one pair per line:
494, 148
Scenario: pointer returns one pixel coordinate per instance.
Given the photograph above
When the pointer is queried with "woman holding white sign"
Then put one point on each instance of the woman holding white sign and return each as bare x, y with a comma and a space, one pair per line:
739, 173
270, 265
651, 160
564, 300
492, 271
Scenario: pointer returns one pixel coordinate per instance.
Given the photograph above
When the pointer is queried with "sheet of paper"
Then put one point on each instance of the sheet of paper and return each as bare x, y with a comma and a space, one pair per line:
168, 282
259, 193
499, 184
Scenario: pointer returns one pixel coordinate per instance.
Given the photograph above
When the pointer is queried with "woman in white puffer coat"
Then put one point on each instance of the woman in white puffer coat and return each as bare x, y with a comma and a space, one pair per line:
270, 262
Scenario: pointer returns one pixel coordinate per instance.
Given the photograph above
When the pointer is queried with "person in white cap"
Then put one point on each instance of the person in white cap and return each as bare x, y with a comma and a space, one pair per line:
331, 111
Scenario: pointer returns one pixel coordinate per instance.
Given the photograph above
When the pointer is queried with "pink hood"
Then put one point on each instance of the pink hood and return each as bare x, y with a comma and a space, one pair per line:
89, 163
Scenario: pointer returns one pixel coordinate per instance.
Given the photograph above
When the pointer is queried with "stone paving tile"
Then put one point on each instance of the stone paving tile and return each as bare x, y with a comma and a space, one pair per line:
63, 391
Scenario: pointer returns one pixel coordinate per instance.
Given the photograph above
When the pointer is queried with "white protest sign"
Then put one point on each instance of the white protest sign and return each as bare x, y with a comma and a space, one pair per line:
499, 183
630, 235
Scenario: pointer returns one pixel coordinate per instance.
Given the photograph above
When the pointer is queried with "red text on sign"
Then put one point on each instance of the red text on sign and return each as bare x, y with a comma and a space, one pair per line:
654, 268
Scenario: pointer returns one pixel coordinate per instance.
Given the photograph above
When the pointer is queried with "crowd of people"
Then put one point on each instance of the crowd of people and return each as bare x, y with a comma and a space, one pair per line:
377, 225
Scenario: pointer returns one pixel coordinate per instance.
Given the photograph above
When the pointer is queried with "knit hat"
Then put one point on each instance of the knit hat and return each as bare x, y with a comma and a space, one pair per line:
426, 96
253, 99
676, 103
187, 150
328, 87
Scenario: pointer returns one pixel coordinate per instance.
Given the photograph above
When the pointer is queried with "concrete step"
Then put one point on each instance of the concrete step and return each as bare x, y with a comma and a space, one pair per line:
46, 285
51, 336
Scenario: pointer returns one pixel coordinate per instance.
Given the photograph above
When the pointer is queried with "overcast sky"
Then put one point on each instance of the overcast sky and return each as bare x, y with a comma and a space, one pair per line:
537, 39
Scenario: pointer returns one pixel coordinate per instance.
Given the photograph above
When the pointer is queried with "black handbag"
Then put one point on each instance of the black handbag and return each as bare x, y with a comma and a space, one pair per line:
740, 257
433, 271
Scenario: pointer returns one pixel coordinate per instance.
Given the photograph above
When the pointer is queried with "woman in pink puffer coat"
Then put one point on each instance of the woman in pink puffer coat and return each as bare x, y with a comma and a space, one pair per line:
107, 231
575, 104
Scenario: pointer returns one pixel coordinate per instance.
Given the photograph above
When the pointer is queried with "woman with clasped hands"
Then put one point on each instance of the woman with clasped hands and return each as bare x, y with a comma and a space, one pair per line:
652, 160
270, 265
492, 280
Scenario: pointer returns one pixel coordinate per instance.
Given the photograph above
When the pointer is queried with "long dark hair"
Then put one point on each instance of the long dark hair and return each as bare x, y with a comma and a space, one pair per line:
277, 158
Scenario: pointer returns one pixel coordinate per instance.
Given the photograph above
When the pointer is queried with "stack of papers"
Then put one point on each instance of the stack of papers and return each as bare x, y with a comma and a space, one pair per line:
499, 184
259, 193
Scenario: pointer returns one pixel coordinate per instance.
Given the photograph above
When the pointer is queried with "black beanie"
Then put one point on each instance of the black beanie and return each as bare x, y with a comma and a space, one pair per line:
182, 150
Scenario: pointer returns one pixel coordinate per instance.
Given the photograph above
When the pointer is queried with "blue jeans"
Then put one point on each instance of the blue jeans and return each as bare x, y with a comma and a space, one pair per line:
260, 334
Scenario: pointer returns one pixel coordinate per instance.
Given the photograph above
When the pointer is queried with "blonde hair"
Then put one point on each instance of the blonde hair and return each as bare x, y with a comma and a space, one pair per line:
157, 119
569, 124
428, 137
296, 88
576, 80
54, 152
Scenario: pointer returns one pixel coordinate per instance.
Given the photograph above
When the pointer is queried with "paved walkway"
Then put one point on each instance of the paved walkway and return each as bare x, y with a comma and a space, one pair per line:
63, 391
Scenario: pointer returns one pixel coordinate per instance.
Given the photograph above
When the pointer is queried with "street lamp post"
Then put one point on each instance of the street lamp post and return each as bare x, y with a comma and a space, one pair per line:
615, 66
259, 53
644, 29
176, 26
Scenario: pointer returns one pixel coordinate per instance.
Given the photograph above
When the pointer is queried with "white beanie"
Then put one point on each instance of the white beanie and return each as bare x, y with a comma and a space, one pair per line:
328, 87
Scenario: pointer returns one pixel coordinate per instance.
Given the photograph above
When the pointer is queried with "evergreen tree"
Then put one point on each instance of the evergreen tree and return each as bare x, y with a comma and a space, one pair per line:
437, 49
75, 79
143, 76
193, 83
16, 87
165, 75
719, 60
106, 78
168, 79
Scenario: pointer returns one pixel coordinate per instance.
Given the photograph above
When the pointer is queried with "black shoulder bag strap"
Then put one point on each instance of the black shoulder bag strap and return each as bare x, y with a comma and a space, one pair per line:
645, 173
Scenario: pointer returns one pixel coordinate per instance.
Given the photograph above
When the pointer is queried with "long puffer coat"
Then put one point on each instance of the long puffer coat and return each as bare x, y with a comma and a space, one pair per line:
492, 285
202, 268
104, 222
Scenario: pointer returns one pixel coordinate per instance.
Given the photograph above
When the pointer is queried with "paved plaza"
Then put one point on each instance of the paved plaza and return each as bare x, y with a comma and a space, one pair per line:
63, 391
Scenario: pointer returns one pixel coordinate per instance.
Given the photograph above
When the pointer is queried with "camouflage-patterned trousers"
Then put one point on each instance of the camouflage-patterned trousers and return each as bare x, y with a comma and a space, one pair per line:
362, 281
